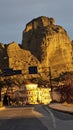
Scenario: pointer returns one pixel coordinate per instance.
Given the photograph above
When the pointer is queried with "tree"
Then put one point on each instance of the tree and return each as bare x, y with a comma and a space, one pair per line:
66, 91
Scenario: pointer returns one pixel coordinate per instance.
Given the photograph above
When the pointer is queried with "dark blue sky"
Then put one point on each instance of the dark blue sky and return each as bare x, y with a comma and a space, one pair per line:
15, 14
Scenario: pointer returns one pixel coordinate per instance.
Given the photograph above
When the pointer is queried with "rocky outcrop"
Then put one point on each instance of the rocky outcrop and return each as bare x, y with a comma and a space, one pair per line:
49, 43
3, 57
34, 35
13, 56
44, 45
19, 58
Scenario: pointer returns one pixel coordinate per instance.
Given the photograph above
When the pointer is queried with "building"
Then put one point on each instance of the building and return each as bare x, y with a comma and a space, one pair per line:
31, 94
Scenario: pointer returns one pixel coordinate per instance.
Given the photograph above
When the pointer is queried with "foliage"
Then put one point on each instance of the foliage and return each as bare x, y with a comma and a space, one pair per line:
64, 76
65, 86
66, 91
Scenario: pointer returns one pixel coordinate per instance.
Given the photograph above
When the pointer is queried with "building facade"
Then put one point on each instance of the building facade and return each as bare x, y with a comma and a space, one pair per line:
32, 94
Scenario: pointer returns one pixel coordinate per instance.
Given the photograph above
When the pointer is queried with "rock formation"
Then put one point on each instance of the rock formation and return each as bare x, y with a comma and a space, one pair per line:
19, 58
49, 43
13, 56
3, 57
44, 45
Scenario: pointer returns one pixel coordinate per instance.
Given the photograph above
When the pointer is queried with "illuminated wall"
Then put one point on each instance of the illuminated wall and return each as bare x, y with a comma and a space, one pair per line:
34, 95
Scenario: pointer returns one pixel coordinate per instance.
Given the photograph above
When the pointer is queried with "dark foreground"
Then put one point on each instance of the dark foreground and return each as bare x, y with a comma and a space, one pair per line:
36, 117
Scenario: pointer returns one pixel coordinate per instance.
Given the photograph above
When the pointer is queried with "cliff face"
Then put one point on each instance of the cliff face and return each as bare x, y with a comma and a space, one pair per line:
34, 35
13, 56
44, 44
3, 57
19, 58
48, 42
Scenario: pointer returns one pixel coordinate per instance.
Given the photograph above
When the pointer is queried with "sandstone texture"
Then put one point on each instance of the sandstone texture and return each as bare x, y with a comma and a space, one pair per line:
49, 43
20, 58
13, 56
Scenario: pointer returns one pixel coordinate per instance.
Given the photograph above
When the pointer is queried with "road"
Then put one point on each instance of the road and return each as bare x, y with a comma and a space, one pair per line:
37, 117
